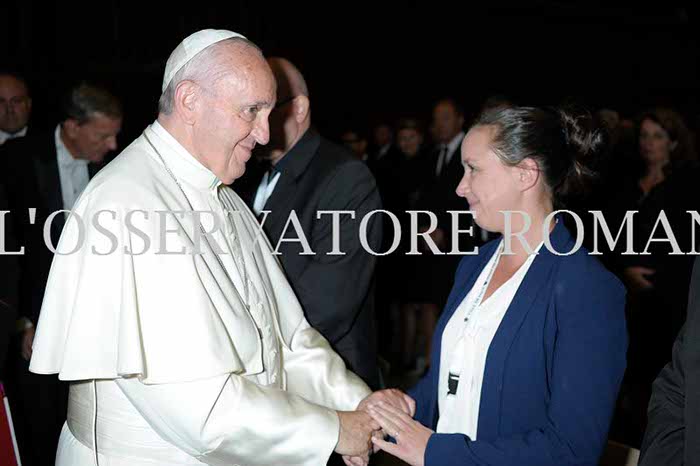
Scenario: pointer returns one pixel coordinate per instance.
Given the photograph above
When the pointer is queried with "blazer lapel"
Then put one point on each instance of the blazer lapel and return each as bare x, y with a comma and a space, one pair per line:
463, 284
48, 178
295, 163
536, 280
279, 203
93, 168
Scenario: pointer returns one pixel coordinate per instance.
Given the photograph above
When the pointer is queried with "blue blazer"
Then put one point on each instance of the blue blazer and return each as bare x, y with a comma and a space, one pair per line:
553, 369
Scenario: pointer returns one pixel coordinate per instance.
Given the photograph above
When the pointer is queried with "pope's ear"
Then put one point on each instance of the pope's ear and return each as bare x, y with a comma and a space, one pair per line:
301, 108
186, 96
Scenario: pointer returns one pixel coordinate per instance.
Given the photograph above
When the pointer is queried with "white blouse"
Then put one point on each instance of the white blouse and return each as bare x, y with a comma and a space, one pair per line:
465, 346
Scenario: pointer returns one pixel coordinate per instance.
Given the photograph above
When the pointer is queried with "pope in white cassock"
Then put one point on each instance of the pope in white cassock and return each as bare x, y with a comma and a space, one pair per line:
181, 337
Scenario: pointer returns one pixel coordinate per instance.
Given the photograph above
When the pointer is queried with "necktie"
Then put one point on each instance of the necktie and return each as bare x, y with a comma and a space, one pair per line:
442, 159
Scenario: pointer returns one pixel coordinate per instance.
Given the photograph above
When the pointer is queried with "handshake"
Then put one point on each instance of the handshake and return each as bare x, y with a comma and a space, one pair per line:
358, 427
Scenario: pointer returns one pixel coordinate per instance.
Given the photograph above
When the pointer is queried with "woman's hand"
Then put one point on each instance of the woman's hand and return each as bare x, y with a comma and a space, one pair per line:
411, 436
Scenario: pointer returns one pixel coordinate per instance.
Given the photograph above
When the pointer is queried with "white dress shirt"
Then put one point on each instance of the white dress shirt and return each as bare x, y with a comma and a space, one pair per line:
72, 172
383, 150
265, 190
4, 137
465, 347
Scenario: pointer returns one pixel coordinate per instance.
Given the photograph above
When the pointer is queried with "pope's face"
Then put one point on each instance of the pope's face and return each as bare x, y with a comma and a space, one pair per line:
233, 117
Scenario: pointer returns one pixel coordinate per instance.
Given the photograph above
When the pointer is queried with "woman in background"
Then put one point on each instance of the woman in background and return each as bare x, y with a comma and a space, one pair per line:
419, 290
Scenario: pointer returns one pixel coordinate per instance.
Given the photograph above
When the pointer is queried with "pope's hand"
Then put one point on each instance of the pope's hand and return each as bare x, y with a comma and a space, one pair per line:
356, 429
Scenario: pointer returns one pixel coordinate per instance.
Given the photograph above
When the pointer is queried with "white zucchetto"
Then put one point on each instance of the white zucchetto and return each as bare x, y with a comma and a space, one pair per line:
190, 47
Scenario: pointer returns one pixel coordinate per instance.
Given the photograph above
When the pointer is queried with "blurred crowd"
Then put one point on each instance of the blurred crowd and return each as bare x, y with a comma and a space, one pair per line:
650, 166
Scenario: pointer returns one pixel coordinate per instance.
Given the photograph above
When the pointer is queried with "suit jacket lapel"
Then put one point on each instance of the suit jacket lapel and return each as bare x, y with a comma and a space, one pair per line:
279, 203
46, 168
93, 168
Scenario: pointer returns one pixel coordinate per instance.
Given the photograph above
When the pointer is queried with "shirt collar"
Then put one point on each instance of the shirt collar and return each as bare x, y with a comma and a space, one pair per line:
63, 155
383, 150
183, 164
5, 136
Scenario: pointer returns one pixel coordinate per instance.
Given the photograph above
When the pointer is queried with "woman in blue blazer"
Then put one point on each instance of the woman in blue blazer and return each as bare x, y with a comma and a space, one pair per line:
530, 350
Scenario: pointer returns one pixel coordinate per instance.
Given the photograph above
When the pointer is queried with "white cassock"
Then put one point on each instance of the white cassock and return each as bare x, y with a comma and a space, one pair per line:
184, 371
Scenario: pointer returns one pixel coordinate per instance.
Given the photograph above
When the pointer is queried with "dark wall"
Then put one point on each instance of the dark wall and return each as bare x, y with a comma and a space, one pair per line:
365, 62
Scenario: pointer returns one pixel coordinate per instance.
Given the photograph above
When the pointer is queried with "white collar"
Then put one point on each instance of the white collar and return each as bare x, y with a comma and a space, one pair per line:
454, 144
183, 164
5, 136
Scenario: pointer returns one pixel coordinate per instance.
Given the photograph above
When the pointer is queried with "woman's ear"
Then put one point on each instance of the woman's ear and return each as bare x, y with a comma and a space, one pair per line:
528, 173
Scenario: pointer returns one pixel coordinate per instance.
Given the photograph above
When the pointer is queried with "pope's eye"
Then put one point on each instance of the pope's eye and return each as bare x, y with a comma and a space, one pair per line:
249, 113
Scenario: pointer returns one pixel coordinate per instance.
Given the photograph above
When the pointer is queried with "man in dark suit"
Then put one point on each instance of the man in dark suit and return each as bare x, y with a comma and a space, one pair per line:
48, 172
439, 196
448, 124
309, 174
673, 427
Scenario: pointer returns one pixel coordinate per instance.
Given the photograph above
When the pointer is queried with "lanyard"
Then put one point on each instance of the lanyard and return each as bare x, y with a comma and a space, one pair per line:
476, 302
484, 286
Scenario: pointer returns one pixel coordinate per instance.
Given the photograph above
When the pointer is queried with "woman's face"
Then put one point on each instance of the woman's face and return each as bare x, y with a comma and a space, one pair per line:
655, 145
409, 141
488, 185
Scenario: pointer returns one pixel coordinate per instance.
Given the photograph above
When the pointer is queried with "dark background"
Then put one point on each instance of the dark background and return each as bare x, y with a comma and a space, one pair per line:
366, 61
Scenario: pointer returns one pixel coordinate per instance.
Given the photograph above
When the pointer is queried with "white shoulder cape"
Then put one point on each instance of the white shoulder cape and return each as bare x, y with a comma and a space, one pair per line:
164, 318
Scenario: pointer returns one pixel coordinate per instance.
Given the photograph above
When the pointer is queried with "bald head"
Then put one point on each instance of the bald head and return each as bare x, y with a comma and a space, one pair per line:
291, 118
15, 103
290, 82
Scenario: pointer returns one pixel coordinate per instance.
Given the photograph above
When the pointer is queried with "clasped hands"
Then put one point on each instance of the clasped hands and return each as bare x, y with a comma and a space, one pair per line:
383, 413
